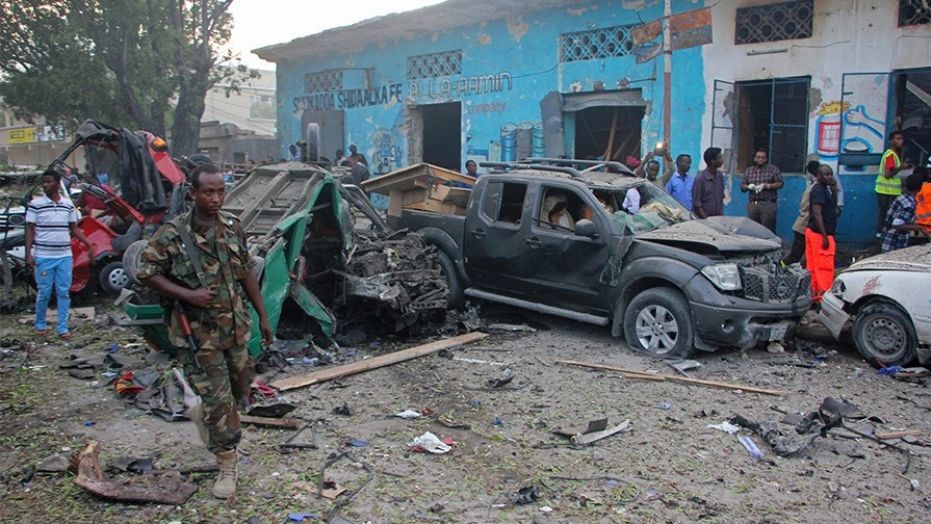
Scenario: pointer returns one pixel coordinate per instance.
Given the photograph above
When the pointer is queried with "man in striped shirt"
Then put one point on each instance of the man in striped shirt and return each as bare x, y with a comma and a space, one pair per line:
51, 220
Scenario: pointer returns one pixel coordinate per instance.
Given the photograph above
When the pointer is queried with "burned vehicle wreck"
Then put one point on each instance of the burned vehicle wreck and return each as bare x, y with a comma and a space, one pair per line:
577, 240
316, 271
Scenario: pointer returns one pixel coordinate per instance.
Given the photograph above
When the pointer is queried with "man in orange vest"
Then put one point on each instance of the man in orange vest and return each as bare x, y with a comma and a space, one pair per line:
888, 186
923, 207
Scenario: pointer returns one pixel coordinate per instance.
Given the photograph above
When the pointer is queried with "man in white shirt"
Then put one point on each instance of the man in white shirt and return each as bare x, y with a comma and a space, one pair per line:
51, 220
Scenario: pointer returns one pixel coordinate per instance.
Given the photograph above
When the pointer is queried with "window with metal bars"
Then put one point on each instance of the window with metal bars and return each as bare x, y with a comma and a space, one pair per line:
595, 44
431, 65
322, 81
774, 22
914, 12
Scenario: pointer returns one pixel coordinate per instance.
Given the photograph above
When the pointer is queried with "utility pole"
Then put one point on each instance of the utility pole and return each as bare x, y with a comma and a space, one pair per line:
667, 72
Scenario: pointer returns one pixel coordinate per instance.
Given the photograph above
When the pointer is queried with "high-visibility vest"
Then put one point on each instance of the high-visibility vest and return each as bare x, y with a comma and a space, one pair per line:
888, 186
923, 209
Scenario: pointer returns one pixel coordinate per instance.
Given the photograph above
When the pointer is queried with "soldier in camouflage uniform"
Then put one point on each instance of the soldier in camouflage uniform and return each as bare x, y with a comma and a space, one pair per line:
212, 298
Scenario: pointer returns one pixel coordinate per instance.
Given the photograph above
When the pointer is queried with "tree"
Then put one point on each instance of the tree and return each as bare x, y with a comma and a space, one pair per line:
136, 63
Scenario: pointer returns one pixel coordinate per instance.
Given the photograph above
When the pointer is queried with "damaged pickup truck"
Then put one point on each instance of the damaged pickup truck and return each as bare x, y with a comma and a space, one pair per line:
608, 248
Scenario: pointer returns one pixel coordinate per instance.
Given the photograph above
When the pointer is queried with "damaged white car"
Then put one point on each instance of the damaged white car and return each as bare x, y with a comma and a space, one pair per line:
884, 301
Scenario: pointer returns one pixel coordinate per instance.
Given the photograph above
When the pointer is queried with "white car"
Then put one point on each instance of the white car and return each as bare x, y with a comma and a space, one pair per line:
886, 301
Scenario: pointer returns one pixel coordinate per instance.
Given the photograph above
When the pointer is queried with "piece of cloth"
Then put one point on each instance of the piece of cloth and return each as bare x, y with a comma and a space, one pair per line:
222, 330
680, 187
883, 202
53, 274
901, 212
823, 195
763, 213
923, 207
797, 250
891, 185
767, 174
708, 193
819, 262
53, 221
632, 200
802, 221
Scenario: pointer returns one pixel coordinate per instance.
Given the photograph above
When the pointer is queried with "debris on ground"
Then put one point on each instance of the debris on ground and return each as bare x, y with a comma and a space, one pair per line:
504, 380
751, 446
374, 363
53, 464
510, 328
430, 443
162, 488
525, 495
726, 427
331, 490
285, 423
597, 430
408, 414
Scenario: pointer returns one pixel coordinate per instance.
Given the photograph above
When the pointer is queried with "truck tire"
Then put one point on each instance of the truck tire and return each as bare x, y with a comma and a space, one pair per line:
448, 267
884, 335
113, 278
132, 259
657, 322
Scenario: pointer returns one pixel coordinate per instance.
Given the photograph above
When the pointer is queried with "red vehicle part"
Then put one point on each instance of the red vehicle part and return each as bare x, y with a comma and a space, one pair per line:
100, 237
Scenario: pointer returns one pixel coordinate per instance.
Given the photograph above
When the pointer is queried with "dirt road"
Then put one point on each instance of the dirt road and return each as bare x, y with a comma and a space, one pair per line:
669, 466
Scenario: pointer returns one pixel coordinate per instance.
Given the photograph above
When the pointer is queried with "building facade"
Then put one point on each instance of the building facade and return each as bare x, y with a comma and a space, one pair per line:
238, 126
25, 145
502, 80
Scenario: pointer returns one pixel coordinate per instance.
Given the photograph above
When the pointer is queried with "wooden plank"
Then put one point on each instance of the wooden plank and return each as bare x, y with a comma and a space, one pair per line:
899, 434
324, 375
633, 373
287, 423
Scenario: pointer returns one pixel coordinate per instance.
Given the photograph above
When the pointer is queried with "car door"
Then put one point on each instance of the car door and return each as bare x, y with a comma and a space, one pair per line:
559, 267
493, 234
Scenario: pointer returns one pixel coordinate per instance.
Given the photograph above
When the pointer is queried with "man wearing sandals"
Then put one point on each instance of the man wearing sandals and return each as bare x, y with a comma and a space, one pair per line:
199, 259
51, 220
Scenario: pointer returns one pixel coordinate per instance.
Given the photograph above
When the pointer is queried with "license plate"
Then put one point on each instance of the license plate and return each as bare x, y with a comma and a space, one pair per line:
778, 332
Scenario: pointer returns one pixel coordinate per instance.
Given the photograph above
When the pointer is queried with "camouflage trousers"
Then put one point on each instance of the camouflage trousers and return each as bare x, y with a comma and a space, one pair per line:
224, 382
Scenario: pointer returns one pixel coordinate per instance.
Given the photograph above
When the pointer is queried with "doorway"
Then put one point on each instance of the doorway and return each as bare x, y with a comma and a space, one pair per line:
911, 112
773, 115
608, 132
436, 135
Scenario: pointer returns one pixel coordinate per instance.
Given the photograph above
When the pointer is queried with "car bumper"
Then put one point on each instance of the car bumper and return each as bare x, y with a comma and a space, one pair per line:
743, 328
832, 314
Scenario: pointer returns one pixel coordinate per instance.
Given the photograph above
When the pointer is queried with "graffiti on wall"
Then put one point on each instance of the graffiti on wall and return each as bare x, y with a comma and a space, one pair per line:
452, 87
348, 98
827, 128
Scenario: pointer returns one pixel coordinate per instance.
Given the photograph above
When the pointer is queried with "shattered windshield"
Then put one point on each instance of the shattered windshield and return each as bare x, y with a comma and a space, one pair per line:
645, 207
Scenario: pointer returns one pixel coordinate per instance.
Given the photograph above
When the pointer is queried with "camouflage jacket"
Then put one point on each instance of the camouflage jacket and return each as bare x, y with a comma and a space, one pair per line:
226, 262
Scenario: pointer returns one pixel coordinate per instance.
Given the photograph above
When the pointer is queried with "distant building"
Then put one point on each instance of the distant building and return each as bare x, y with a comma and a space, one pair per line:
493, 80
240, 126
25, 145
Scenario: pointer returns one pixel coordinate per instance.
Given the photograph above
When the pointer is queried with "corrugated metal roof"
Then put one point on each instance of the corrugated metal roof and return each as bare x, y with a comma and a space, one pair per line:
409, 24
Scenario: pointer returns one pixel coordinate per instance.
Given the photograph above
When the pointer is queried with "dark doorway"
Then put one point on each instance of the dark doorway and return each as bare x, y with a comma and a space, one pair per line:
912, 112
773, 115
441, 140
608, 131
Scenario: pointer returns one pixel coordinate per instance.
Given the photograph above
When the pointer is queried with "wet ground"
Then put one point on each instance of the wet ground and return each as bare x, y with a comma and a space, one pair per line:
669, 466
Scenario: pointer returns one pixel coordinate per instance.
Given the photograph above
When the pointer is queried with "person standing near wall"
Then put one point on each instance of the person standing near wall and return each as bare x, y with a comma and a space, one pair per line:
819, 235
51, 221
900, 220
888, 186
762, 180
649, 168
680, 184
708, 189
923, 206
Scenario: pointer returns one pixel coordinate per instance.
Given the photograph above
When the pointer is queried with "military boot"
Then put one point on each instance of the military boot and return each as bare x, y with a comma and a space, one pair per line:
225, 485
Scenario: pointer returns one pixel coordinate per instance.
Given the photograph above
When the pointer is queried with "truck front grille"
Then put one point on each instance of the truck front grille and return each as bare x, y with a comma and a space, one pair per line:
769, 283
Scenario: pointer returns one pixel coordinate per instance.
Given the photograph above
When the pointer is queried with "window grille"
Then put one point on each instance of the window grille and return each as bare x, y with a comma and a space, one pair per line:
322, 81
914, 12
596, 43
774, 22
431, 65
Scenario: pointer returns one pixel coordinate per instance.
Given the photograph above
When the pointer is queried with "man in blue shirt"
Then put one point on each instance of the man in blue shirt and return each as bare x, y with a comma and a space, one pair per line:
681, 182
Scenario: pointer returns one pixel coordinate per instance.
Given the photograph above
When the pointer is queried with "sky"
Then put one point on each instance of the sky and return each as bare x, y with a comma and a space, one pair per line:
258, 23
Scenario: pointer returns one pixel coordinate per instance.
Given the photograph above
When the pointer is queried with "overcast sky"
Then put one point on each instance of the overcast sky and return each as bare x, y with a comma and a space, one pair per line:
258, 23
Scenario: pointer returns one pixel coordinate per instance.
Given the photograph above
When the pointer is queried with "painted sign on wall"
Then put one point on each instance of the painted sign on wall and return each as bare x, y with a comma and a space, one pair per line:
348, 98
453, 87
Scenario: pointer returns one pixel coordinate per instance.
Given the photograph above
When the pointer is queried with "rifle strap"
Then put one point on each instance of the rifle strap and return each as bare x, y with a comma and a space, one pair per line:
191, 249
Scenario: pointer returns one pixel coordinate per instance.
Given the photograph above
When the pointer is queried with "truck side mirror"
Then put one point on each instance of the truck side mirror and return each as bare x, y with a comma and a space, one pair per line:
586, 228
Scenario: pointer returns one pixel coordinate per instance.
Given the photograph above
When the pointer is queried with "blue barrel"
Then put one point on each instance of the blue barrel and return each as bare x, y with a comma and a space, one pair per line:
537, 147
508, 143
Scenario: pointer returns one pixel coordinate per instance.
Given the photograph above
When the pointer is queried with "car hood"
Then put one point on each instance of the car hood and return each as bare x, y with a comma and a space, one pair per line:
917, 258
707, 237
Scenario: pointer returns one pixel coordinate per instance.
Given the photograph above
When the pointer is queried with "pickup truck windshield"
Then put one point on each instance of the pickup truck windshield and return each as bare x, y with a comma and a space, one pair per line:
646, 207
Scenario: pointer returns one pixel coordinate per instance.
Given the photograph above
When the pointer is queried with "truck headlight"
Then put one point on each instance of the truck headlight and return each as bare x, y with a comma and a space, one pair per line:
725, 277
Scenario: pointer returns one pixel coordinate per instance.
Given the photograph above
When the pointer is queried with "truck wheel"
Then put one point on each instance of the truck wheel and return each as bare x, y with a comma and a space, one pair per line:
113, 278
448, 268
884, 335
658, 322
